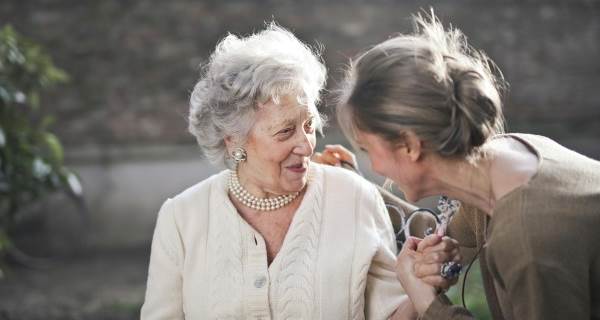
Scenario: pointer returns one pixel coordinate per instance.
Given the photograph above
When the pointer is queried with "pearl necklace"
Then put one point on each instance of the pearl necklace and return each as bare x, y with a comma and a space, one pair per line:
261, 204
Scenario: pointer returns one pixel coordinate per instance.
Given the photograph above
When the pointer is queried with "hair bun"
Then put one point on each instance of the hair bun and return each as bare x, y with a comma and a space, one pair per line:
475, 108
430, 82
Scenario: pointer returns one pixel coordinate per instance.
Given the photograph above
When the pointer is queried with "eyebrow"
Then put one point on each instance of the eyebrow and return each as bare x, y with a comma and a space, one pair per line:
281, 124
287, 122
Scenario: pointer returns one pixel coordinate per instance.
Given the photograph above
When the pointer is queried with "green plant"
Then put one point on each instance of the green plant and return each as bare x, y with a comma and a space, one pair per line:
31, 157
474, 294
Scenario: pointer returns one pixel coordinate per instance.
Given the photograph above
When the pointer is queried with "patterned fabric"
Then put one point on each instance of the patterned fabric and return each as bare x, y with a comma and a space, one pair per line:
336, 261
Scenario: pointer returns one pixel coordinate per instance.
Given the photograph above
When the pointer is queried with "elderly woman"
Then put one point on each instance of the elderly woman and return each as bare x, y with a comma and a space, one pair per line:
276, 236
427, 110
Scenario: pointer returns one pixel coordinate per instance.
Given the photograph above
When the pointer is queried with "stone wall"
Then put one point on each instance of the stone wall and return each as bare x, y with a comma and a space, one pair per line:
133, 63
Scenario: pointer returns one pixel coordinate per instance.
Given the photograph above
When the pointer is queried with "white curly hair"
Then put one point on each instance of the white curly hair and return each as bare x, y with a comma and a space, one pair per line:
245, 71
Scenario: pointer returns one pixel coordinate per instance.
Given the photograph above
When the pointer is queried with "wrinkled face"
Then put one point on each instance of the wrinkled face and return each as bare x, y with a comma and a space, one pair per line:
393, 162
279, 147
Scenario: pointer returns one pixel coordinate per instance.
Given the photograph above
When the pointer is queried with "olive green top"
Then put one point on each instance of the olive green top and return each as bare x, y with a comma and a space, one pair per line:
541, 256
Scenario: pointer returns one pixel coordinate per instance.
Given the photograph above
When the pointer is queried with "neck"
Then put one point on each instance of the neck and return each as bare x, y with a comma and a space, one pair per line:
247, 181
469, 182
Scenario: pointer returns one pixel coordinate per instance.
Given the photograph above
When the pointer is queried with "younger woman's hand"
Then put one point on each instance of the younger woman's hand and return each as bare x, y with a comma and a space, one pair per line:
335, 155
435, 251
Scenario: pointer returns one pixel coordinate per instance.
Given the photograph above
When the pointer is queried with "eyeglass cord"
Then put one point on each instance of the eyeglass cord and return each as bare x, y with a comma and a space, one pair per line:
464, 282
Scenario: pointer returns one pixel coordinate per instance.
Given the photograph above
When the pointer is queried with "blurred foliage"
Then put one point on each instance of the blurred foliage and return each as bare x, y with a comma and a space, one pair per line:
474, 293
31, 157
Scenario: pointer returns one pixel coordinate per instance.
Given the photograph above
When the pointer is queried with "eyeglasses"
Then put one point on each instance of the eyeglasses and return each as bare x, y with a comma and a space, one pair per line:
422, 222
419, 223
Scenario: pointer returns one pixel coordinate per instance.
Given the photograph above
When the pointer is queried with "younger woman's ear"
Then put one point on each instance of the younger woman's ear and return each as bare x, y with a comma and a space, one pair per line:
413, 146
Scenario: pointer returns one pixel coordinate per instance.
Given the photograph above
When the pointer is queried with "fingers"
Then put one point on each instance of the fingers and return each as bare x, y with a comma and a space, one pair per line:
429, 241
344, 153
431, 264
430, 273
432, 252
333, 155
440, 256
327, 158
445, 244
411, 244
331, 158
423, 270
316, 157
341, 153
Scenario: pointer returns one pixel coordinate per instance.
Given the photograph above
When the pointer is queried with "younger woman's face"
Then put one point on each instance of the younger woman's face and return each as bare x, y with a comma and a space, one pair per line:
393, 162
279, 147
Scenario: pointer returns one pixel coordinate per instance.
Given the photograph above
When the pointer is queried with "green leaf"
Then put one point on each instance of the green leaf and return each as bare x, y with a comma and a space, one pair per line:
56, 75
55, 148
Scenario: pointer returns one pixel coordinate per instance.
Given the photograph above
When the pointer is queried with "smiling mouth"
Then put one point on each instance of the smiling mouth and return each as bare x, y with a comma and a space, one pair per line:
298, 167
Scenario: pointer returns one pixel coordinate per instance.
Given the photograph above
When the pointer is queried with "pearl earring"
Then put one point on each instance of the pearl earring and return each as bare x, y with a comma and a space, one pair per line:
238, 155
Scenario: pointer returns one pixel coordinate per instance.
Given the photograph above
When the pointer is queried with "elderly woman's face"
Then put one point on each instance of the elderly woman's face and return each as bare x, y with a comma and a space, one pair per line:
279, 147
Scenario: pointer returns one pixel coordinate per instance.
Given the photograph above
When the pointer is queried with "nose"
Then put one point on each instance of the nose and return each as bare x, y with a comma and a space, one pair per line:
305, 145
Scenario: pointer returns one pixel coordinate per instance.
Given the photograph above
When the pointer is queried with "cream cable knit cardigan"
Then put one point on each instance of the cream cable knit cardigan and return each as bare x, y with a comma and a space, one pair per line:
336, 261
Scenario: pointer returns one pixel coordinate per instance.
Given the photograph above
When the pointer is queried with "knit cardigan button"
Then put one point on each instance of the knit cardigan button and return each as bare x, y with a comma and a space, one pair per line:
260, 282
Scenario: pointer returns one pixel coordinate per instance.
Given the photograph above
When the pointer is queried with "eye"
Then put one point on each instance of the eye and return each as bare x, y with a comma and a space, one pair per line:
285, 131
310, 125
